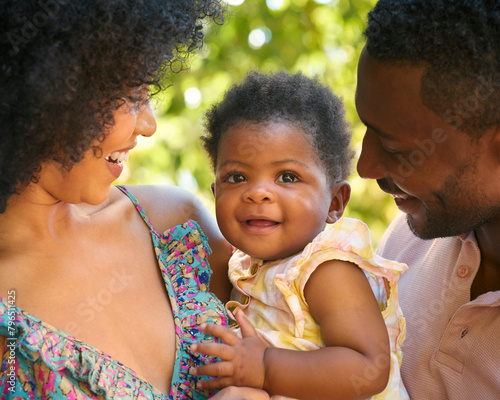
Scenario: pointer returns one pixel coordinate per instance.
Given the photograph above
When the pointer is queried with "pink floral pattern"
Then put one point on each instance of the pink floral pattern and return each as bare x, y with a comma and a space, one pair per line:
51, 364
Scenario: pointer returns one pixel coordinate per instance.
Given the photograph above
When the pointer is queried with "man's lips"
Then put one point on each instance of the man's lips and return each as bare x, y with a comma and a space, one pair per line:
400, 196
390, 188
405, 202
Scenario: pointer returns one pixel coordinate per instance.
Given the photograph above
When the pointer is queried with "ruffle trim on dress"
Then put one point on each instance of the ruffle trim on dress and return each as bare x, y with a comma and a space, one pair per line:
186, 263
350, 241
38, 341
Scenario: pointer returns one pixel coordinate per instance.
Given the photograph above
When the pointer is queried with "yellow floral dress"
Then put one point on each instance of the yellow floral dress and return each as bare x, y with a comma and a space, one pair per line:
271, 294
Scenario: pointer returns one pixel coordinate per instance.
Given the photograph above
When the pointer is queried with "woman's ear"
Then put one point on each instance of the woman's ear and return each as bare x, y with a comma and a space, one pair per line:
212, 186
341, 193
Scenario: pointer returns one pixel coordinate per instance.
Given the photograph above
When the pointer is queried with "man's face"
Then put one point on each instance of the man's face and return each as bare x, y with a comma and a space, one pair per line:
443, 179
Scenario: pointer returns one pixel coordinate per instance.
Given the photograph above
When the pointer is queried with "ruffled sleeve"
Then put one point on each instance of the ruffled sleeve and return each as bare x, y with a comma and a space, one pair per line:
280, 284
347, 240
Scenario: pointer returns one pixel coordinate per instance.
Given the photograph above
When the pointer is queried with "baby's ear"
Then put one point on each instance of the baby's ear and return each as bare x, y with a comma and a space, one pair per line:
212, 186
341, 193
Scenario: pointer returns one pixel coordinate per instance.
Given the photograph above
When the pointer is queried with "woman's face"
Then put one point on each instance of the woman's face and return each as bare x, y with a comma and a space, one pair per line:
90, 180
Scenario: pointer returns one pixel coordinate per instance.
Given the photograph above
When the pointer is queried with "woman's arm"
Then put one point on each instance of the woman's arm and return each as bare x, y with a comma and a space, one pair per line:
355, 363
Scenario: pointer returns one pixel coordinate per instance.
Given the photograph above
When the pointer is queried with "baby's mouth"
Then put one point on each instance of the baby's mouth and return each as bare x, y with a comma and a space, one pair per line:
118, 157
261, 222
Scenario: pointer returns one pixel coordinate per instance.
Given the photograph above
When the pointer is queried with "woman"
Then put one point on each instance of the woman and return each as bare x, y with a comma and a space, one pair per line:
95, 301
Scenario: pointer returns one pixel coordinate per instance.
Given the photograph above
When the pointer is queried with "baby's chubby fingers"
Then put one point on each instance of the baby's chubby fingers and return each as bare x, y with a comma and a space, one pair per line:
220, 369
221, 350
214, 384
222, 332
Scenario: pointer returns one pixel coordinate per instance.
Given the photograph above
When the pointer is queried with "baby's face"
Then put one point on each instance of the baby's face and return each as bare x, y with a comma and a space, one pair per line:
271, 192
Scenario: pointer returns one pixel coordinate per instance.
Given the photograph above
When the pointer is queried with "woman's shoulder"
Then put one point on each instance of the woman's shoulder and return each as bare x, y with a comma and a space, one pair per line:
165, 205
168, 206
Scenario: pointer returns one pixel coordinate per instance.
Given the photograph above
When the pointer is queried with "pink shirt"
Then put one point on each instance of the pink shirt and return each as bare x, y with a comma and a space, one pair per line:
452, 346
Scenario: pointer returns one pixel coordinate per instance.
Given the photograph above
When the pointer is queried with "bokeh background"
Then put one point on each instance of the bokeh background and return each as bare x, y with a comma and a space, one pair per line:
319, 37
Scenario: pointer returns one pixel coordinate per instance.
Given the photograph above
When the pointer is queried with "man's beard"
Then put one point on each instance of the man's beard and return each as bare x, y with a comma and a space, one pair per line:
455, 211
448, 222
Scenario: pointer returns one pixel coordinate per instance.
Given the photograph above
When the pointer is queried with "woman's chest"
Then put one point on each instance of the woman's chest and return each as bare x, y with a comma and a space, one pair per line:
110, 295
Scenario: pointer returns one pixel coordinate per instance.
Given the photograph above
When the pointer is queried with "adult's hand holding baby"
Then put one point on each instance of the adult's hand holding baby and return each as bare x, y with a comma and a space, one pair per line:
241, 393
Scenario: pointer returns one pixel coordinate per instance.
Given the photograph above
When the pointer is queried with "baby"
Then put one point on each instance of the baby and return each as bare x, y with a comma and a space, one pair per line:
280, 148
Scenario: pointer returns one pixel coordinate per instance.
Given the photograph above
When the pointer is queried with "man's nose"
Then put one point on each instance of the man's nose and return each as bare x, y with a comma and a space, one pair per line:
369, 164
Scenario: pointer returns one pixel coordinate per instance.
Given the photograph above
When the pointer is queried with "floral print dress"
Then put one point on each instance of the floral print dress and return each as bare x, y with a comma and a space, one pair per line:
43, 362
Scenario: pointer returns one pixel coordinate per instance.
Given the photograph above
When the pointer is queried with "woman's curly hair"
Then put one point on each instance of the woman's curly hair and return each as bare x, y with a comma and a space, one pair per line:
67, 65
458, 41
281, 97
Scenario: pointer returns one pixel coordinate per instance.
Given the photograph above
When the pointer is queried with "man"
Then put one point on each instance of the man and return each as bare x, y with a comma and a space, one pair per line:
429, 94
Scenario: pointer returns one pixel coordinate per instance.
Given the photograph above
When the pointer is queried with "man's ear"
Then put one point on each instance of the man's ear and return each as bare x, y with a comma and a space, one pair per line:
341, 193
212, 186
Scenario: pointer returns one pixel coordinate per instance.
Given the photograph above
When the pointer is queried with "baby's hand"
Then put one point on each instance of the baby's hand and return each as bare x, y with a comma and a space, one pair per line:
242, 359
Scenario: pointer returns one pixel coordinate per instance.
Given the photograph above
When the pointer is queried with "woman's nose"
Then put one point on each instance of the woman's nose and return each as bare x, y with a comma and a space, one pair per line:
369, 164
146, 122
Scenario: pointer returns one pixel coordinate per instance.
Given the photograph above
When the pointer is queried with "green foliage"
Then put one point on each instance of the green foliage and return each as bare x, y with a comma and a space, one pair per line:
319, 37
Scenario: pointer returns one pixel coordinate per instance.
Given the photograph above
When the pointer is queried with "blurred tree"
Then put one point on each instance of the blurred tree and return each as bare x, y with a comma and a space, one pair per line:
321, 37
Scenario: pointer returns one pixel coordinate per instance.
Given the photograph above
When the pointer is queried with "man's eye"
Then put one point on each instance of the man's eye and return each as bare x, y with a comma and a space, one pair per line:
392, 152
235, 178
287, 177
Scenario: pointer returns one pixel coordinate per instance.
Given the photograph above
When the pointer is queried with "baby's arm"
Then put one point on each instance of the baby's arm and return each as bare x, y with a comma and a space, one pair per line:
355, 363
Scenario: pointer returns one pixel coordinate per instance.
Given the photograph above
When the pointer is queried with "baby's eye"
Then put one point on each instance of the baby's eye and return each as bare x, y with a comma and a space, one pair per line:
235, 178
287, 177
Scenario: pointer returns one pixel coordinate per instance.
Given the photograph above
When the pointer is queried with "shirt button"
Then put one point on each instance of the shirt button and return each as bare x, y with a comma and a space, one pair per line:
463, 271
464, 332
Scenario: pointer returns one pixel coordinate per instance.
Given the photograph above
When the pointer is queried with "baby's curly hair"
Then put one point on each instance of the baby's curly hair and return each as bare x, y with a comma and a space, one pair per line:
281, 97
67, 65
458, 41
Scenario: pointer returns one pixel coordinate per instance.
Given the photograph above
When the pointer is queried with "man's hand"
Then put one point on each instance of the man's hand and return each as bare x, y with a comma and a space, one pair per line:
242, 359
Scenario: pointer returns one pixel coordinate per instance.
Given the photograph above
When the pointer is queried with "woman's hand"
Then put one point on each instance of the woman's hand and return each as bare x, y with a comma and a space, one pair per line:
241, 393
242, 359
